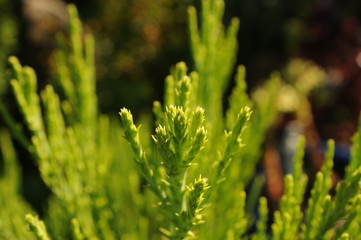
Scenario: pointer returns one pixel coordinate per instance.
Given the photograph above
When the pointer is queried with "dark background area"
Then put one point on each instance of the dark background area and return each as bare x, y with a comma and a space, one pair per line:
138, 41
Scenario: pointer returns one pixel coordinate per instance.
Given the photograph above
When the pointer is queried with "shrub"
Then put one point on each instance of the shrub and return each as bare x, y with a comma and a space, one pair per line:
186, 180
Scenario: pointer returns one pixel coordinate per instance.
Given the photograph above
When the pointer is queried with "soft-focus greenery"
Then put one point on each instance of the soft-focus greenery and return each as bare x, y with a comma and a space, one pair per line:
185, 178
8, 36
135, 48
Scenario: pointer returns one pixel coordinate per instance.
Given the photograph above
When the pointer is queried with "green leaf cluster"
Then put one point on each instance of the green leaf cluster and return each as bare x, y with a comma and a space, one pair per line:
185, 178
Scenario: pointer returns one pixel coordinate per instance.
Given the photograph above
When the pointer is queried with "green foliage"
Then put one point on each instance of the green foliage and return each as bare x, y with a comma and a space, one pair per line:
14, 208
261, 233
188, 176
288, 219
37, 227
8, 38
319, 196
214, 51
179, 139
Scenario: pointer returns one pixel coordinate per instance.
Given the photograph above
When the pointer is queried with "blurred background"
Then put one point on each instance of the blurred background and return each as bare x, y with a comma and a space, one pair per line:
314, 44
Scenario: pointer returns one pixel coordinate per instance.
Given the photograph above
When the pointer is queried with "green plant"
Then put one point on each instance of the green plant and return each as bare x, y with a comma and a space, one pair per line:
187, 179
